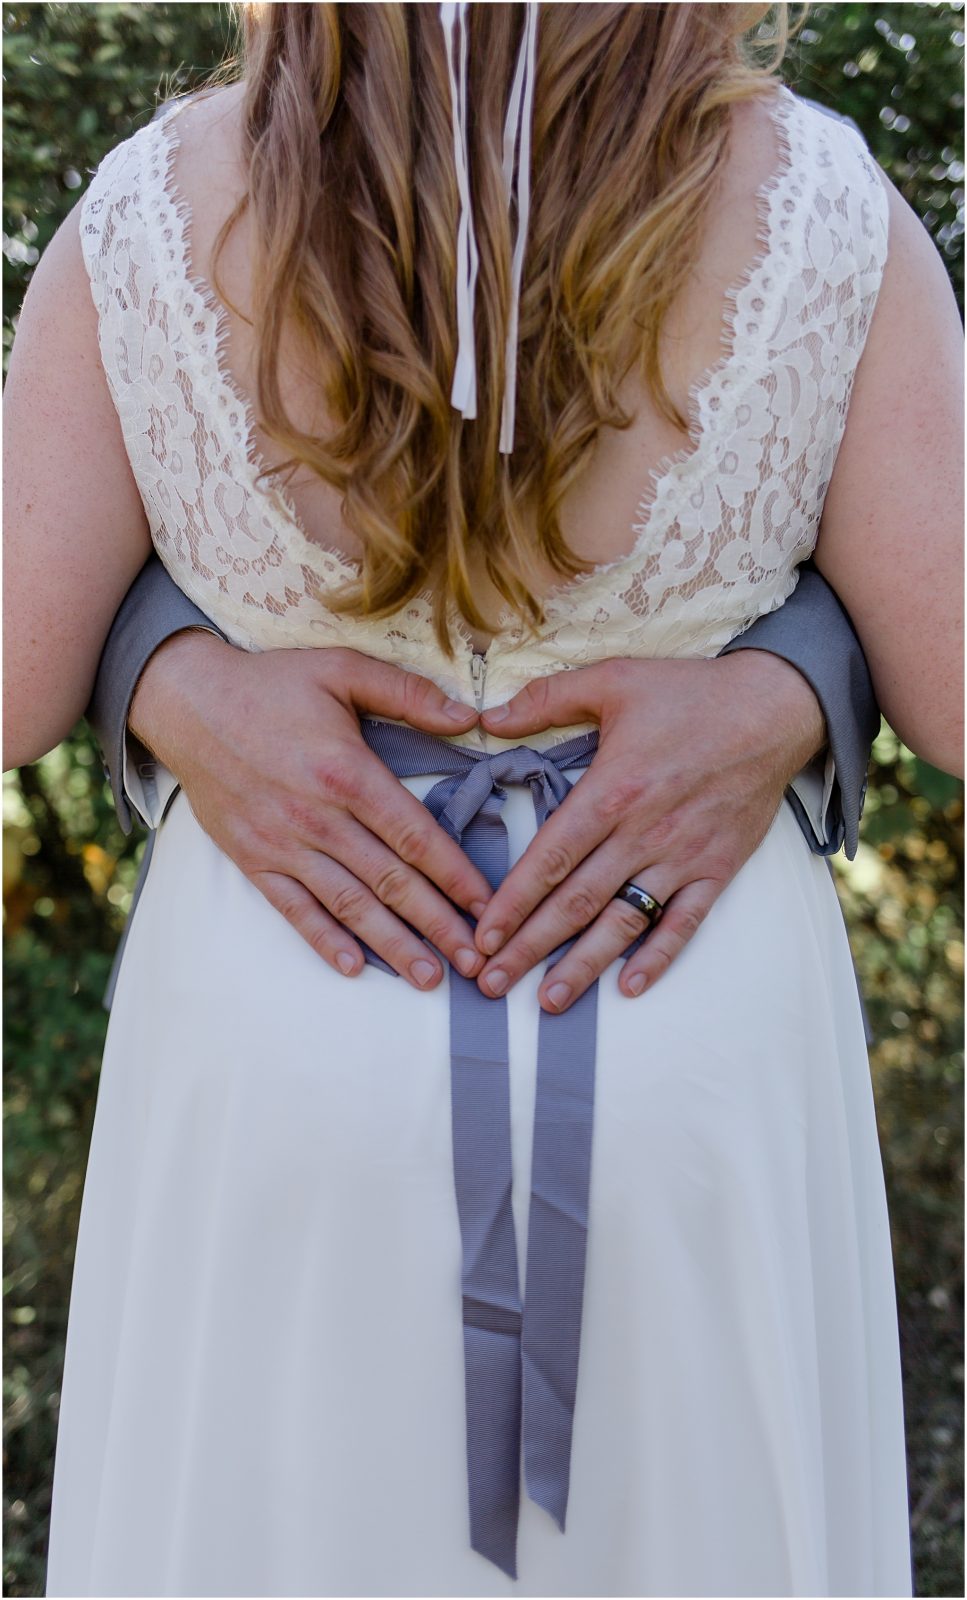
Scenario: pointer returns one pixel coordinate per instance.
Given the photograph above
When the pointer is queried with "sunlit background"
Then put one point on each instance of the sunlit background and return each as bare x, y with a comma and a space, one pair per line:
77, 79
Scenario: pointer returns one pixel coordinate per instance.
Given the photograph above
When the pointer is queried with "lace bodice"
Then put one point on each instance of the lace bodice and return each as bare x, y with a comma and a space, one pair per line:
722, 525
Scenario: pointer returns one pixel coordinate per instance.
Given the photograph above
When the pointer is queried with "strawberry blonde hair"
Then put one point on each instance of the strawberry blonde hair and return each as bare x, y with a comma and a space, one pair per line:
348, 145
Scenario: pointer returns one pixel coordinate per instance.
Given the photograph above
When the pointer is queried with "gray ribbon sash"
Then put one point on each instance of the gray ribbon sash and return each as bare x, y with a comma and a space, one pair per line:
520, 1360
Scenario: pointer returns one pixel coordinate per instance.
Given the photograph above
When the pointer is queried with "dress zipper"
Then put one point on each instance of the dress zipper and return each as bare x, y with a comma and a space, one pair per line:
478, 672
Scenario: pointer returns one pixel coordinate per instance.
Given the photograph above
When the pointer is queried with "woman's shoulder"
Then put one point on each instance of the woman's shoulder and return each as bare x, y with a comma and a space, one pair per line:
202, 127
178, 164
827, 216
902, 254
848, 181
207, 123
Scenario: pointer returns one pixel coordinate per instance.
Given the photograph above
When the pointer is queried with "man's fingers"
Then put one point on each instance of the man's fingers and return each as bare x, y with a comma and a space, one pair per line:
407, 892
555, 701
583, 905
379, 688
320, 931
354, 905
612, 933
585, 818
389, 810
350, 905
683, 916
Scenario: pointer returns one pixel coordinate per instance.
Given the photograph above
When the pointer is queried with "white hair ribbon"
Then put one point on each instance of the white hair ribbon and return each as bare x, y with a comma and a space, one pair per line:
517, 131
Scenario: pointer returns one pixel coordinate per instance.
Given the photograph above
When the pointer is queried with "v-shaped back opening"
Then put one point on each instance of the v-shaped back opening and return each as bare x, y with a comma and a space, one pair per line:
667, 480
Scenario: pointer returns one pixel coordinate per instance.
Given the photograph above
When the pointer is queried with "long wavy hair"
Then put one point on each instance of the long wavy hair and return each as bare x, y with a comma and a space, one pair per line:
348, 145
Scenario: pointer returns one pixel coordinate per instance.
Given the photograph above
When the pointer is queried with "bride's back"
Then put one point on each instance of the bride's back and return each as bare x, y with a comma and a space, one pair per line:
599, 512
692, 537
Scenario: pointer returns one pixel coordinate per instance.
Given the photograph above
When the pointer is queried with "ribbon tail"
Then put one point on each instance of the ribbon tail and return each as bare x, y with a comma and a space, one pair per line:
520, 1361
483, 1176
463, 392
519, 119
557, 1232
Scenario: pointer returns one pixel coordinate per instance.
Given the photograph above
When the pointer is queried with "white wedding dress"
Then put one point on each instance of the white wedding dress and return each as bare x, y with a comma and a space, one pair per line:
263, 1391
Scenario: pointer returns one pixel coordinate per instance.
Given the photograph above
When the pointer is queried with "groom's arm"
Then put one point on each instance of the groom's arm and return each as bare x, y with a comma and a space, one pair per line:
153, 610
811, 630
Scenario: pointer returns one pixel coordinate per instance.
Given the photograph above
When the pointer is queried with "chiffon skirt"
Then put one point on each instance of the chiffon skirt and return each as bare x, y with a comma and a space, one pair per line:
263, 1390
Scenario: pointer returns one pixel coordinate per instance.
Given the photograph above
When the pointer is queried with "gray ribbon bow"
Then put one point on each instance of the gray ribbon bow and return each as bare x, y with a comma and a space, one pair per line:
520, 1361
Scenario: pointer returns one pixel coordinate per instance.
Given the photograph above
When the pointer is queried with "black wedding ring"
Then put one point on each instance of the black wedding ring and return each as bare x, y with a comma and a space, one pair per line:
650, 908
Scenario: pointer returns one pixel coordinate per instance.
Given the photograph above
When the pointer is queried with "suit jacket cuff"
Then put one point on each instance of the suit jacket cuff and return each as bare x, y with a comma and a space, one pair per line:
819, 806
152, 610
813, 632
148, 786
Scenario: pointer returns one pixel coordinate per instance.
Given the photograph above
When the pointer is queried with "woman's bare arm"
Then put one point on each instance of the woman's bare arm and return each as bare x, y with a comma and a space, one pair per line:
74, 528
892, 532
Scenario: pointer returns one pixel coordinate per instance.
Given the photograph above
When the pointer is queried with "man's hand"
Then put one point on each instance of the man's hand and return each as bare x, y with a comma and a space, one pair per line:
268, 750
693, 760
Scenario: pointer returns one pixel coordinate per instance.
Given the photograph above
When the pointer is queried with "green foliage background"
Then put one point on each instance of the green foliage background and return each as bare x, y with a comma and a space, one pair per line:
78, 78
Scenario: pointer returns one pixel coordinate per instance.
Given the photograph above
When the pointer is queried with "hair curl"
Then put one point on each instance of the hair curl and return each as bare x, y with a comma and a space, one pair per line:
348, 146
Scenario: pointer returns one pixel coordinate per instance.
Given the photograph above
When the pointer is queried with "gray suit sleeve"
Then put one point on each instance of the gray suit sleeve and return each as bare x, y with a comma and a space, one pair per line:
152, 610
811, 630
814, 633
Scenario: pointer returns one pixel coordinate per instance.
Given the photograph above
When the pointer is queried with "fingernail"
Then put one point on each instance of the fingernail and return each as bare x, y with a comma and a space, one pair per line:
466, 960
423, 971
637, 982
559, 994
346, 962
497, 980
456, 711
477, 908
492, 940
496, 713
